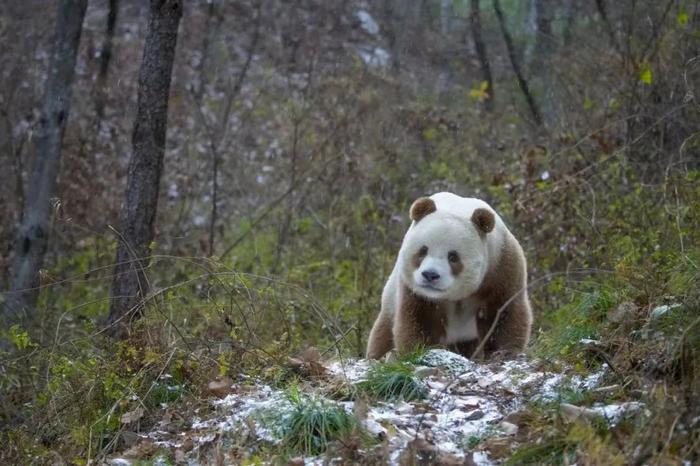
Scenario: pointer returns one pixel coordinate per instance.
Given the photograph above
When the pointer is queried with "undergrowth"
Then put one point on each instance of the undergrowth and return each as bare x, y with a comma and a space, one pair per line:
311, 424
392, 381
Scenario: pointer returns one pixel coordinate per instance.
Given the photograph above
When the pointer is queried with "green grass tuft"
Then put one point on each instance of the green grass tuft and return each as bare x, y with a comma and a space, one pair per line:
314, 423
392, 381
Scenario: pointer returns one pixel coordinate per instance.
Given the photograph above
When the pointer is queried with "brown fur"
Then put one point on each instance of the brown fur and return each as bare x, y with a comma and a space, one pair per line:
456, 267
506, 280
484, 220
418, 322
381, 338
422, 207
417, 259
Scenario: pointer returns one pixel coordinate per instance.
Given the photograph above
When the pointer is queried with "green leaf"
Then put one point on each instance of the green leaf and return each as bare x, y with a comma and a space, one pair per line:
19, 337
645, 74
480, 93
682, 18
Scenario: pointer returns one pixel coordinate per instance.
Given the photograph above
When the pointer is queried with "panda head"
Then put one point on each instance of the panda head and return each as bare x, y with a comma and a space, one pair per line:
445, 255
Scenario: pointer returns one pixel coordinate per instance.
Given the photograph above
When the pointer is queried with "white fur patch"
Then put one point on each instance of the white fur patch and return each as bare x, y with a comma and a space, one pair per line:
461, 322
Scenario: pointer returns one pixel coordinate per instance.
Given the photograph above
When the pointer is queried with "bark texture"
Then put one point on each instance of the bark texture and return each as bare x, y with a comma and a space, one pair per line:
34, 229
130, 285
105, 58
515, 64
480, 46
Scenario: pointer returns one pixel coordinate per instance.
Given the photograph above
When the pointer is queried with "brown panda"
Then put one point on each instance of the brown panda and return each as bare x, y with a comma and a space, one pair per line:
457, 266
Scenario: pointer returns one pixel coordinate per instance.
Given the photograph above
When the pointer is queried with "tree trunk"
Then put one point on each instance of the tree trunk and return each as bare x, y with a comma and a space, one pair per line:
512, 56
129, 285
105, 58
480, 46
33, 233
570, 13
542, 74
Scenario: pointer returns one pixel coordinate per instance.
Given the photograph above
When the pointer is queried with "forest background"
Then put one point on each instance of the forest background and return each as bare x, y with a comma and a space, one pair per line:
298, 134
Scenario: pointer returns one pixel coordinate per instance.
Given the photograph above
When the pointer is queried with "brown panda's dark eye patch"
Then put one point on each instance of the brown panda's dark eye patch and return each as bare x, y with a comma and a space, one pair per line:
419, 256
455, 262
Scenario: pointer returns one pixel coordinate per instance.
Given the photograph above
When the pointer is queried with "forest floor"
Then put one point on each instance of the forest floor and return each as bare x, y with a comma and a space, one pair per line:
438, 408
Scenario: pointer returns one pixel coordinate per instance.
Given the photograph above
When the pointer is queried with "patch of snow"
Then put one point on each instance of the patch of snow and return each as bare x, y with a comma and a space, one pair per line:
660, 311
373, 56
367, 22
199, 220
464, 400
353, 371
614, 413
481, 459
119, 462
451, 362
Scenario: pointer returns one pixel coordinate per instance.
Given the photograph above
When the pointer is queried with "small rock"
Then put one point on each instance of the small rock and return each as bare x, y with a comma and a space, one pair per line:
375, 428
571, 412
404, 408
475, 415
132, 416
435, 385
220, 388
448, 459
623, 313
467, 404
508, 428
425, 371
498, 447
119, 462
518, 417
485, 382
660, 311
298, 461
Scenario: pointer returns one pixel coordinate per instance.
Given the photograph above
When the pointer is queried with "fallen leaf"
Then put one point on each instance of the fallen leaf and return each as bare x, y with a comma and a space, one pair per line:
141, 450
220, 388
308, 363
132, 416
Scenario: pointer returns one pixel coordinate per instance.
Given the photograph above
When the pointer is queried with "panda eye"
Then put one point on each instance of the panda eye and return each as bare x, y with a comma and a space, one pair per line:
423, 251
453, 257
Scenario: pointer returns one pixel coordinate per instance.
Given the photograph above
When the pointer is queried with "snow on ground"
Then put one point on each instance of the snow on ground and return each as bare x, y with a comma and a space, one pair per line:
466, 401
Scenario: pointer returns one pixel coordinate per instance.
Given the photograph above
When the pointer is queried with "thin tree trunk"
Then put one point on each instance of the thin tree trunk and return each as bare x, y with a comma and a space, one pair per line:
544, 39
33, 232
600, 6
216, 140
569, 21
522, 82
129, 285
105, 58
480, 46
542, 75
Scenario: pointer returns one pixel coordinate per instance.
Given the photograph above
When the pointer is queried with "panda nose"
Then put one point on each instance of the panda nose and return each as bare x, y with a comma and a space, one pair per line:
430, 275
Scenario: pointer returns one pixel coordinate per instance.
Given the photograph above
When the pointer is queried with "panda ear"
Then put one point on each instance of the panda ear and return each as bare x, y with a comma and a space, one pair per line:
484, 220
422, 207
